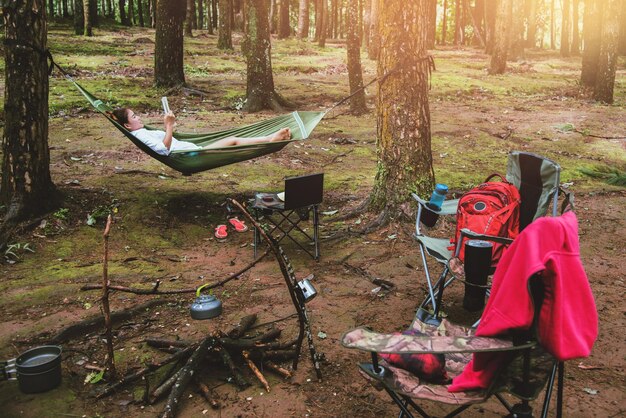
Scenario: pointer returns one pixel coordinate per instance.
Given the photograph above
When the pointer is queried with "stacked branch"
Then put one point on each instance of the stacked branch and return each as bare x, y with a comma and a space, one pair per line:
234, 349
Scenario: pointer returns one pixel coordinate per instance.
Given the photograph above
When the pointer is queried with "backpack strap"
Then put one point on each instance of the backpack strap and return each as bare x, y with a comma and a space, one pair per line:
502, 178
568, 202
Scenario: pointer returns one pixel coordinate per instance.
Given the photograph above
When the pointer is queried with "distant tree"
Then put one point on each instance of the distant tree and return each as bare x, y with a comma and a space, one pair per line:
79, 17
123, 16
374, 48
566, 27
504, 18
87, 12
444, 23
355, 73
200, 14
257, 48
321, 24
552, 25
189, 18
274, 16
490, 26
575, 47
403, 115
284, 28
531, 36
26, 189
432, 24
622, 31
225, 28
50, 9
457, 22
592, 37
168, 49
131, 13
605, 81
209, 17
367, 8
214, 13
303, 19
516, 41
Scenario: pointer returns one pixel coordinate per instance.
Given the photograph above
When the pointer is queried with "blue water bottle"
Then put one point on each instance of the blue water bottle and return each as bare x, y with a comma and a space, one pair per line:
433, 207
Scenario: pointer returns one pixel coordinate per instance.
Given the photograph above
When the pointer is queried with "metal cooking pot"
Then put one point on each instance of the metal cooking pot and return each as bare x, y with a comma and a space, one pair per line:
36, 370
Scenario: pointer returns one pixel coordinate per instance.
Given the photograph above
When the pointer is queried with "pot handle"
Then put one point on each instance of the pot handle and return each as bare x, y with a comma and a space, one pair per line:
8, 370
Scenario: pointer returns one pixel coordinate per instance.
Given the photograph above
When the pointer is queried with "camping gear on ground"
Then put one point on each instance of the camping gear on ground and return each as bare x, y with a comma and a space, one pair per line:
491, 208
205, 306
477, 266
536, 178
307, 288
36, 370
303, 195
540, 314
433, 207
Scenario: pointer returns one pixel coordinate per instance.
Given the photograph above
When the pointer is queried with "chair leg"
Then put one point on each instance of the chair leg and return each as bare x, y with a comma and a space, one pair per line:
559, 393
549, 387
316, 233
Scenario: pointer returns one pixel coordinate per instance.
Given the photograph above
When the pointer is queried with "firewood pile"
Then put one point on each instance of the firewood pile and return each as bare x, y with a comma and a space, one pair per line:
257, 351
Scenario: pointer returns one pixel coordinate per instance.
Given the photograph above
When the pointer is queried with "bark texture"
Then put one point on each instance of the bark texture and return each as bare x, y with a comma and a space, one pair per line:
374, 47
607, 61
403, 115
168, 49
26, 189
303, 19
355, 72
566, 28
502, 36
225, 28
284, 29
591, 38
257, 48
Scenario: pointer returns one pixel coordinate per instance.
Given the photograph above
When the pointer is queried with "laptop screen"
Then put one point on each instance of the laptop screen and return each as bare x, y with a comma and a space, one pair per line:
304, 191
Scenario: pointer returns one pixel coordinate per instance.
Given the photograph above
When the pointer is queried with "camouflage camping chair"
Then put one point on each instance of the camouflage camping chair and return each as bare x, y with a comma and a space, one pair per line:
537, 179
527, 369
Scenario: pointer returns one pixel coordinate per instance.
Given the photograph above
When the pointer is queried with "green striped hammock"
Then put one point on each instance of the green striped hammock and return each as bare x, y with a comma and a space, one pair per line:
189, 162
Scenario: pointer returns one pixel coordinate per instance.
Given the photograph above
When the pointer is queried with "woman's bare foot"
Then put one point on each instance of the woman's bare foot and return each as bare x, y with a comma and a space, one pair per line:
282, 135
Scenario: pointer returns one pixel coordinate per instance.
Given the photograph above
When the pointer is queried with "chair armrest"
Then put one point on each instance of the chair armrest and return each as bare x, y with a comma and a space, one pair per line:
467, 233
366, 340
449, 207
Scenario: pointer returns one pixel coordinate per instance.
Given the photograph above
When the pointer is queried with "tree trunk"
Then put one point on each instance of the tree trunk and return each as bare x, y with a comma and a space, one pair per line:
490, 26
355, 73
194, 18
303, 19
367, 10
188, 19
66, 13
566, 28
131, 12
87, 19
575, 48
432, 24
122, 7
531, 37
26, 188
214, 13
284, 29
403, 115
168, 49
257, 48
323, 19
200, 14
224, 31
504, 19
209, 17
110, 9
374, 49
79, 17
592, 35
50, 9
457, 22
552, 28
622, 31
607, 63
516, 42
444, 22
477, 16
140, 13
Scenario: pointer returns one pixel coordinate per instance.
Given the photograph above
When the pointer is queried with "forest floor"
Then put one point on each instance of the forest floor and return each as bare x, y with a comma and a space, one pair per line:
164, 222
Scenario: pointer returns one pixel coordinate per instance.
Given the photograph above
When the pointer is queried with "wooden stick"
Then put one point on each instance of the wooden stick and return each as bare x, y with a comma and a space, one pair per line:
276, 368
159, 343
164, 387
206, 393
110, 358
184, 377
255, 370
156, 291
137, 375
240, 381
244, 325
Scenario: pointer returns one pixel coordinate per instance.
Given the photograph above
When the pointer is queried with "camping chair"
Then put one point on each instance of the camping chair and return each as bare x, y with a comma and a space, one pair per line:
531, 361
537, 179
302, 197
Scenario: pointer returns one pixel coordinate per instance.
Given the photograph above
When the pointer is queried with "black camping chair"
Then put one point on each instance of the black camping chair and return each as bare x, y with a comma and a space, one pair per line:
537, 179
531, 369
302, 197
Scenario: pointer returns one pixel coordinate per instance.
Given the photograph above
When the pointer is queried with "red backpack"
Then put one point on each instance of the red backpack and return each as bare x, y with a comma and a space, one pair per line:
491, 209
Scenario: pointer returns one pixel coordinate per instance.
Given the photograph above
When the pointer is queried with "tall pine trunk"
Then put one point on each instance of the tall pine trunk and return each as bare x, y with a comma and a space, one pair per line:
504, 17
257, 48
188, 26
592, 35
432, 24
168, 49
403, 115
303, 19
284, 29
444, 22
607, 62
225, 29
323, 22
566, 27
622, 31
374, 48
575, 47
531, 37
87, 19
355, 73
490, 26
26, 189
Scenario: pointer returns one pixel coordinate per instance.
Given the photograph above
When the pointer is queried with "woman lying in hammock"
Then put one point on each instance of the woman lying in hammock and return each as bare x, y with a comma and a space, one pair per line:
163, 142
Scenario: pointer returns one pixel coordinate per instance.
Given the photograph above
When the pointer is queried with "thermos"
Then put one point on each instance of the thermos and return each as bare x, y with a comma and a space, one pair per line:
433, 207
477, 269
